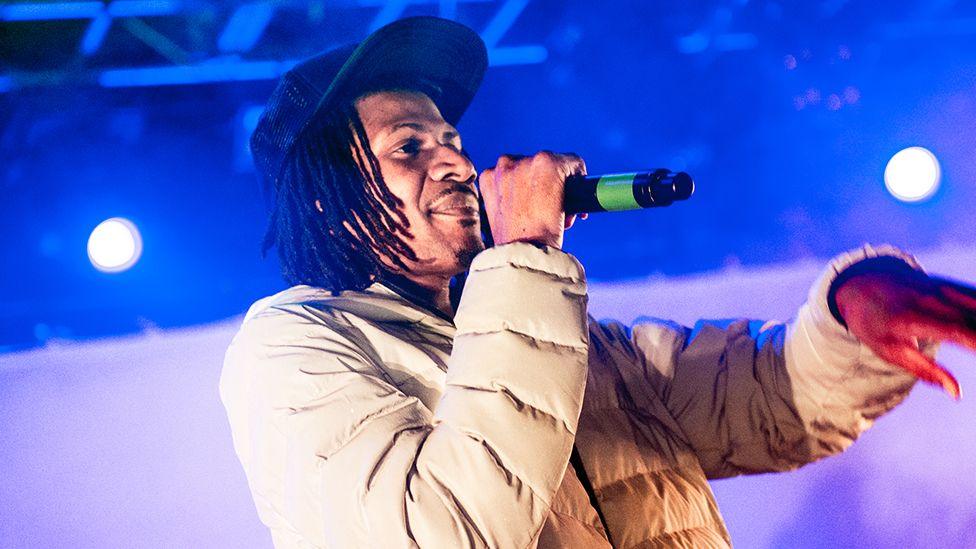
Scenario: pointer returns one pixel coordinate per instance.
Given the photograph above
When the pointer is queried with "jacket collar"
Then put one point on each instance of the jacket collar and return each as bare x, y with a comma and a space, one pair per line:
413, 293
385, 303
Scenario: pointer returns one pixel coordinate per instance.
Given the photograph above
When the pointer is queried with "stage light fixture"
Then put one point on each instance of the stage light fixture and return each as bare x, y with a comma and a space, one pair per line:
115, 245
913, 174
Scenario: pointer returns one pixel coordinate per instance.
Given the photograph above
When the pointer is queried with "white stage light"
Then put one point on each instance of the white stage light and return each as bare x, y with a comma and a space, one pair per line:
114, 245
913, 174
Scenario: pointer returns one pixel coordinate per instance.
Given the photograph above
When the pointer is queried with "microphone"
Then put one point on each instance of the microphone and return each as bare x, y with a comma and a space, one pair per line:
625, 191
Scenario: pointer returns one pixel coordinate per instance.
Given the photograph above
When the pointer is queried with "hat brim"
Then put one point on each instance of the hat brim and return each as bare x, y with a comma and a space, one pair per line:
440, 57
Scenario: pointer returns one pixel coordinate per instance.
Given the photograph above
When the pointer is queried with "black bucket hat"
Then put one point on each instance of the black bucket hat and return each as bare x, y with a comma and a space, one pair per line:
445, 59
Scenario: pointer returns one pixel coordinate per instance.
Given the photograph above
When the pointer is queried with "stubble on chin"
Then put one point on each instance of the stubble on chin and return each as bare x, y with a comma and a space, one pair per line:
472, 245
466, 254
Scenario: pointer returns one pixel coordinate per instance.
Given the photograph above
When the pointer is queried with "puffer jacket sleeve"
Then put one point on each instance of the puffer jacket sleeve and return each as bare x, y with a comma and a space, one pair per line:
337, 456
753, 397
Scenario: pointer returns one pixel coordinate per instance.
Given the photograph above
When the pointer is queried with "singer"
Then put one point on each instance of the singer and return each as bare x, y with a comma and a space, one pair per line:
375, 403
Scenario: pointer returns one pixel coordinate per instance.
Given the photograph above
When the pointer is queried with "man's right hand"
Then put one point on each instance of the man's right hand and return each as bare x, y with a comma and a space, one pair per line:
523, 197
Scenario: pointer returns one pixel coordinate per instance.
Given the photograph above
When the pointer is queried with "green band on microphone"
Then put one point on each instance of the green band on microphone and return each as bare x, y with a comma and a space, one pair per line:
616, 192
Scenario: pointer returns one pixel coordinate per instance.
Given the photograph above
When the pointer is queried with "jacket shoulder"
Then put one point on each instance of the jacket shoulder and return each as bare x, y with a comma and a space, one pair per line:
296, 325
293, 347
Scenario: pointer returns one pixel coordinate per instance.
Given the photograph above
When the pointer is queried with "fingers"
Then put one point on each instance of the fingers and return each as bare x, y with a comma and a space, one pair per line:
571, 219
957, 329
907, 356
574, 163
533, 169
523, 196
945, 315
567, 163
504, 162
962, 297
948, 313
959, 294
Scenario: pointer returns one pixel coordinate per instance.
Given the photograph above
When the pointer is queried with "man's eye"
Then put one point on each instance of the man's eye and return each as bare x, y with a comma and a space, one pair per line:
411, 147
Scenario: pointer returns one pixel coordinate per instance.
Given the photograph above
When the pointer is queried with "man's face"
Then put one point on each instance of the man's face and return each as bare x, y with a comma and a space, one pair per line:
420, 158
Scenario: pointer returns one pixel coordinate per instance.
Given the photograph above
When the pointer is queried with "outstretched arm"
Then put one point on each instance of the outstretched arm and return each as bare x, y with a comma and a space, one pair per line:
891, 307
750, 396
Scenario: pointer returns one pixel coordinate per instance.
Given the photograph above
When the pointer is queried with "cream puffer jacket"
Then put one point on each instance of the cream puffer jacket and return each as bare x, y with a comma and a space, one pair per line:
362, 420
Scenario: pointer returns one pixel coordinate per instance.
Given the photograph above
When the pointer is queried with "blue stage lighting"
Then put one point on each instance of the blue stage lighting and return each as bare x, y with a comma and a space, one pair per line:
246, 27
912, 174
215, 70
517, 55
114, 245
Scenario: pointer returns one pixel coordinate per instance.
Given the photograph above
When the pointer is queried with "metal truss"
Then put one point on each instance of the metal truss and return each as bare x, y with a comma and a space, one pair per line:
244, 27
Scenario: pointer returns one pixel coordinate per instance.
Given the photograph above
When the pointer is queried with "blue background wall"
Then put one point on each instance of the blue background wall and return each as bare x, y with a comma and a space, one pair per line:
784, 112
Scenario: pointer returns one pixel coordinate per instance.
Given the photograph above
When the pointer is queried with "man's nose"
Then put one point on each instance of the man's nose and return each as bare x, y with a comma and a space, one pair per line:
449, 164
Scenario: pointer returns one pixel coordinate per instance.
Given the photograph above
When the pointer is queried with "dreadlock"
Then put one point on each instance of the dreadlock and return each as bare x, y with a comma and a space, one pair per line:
314, 247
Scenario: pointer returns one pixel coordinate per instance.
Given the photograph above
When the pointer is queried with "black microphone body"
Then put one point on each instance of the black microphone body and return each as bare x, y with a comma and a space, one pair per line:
625, 191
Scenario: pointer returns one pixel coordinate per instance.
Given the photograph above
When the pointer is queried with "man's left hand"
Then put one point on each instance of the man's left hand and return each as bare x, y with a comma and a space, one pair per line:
891, 312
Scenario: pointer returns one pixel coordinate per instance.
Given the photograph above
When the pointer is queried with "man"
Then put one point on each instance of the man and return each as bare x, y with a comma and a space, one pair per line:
372, 406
